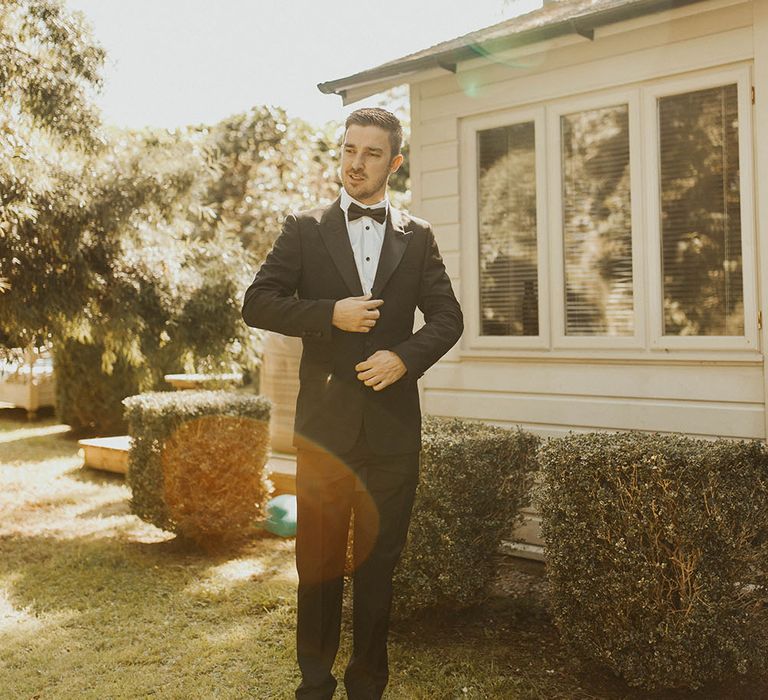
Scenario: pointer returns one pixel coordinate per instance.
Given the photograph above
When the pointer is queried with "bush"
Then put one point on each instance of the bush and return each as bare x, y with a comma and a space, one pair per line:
151, 322
474, 478
87, 398
196, 464
657, 554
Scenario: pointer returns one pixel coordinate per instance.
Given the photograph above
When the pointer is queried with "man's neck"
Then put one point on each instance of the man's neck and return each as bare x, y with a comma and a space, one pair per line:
382, 200
371, 201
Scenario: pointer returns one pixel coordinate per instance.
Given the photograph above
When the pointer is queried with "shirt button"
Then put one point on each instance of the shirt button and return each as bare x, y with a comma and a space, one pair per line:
367, 260
367, 228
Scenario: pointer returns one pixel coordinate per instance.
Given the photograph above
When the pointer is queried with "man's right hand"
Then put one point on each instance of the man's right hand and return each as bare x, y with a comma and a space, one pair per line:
356, 314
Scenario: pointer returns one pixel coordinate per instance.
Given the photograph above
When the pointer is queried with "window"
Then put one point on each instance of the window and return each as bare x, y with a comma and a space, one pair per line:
701, 212
615, 220
508, 259
597, 222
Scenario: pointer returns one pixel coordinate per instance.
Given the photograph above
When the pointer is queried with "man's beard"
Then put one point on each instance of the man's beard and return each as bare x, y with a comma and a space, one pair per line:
370, 190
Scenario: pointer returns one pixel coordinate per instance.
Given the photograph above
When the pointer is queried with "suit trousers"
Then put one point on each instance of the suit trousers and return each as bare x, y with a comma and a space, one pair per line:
379, 491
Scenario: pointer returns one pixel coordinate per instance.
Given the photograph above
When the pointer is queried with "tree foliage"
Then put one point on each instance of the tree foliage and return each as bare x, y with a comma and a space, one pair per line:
133, 246
265, 166
48, 64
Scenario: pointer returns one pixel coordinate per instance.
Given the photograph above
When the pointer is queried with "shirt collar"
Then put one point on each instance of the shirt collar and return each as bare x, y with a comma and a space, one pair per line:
347, 199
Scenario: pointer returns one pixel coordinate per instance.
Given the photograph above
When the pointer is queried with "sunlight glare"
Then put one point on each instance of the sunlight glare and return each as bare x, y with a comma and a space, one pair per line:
26, 433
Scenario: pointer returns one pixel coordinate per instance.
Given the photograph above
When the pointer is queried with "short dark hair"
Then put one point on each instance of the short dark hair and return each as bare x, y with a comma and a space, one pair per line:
376, 116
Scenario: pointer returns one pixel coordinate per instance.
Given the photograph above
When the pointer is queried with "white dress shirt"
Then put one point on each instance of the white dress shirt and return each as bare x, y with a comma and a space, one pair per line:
366, 236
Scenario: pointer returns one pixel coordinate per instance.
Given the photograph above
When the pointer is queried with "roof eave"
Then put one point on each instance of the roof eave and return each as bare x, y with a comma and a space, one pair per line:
397, 72
360, 91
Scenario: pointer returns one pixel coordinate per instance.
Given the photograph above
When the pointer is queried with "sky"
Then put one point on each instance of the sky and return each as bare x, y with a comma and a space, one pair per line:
172, 63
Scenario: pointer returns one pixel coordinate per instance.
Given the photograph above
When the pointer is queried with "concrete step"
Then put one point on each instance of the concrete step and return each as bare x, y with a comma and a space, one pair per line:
108, 453
281, 468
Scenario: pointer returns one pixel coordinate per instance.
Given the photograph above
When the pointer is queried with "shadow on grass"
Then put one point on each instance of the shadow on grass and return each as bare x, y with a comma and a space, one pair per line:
522, 644
19, 415
99, 617
118, 507
95, 476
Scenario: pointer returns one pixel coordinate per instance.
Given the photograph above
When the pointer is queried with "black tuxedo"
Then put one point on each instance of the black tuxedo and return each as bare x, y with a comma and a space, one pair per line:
358, 448
313, 258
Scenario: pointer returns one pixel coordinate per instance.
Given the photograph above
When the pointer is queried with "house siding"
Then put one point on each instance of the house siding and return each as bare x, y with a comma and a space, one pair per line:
718, 393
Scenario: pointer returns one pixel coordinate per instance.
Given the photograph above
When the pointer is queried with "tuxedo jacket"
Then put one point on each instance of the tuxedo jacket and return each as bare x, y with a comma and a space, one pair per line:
309, 268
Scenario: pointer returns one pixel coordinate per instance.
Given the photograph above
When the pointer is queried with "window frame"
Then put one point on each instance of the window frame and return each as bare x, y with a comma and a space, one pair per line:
741, 77
557, 110
470, 255
645, 211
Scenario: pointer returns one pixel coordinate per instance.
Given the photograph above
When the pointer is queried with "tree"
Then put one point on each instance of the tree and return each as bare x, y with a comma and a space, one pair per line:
95, 223
263, 166
48, 64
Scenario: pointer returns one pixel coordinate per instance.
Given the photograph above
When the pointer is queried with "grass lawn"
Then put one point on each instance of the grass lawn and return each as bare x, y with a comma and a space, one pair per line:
97, 605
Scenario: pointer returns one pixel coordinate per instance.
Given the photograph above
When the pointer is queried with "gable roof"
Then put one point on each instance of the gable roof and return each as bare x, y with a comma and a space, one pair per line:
554, 19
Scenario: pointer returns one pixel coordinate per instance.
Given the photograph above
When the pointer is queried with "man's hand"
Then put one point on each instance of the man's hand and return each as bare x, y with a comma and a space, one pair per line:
381, 369
356, 314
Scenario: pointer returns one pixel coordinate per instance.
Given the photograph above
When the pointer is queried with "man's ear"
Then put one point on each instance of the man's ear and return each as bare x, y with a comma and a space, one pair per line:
397, 161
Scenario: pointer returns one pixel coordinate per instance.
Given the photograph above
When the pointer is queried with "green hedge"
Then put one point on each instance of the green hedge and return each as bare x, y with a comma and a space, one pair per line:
474, 478
657, 554
196, 463
87, 398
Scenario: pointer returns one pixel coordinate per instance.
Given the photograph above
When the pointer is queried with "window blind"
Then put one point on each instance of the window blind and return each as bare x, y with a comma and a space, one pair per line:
509, 294
597, 226
700, 212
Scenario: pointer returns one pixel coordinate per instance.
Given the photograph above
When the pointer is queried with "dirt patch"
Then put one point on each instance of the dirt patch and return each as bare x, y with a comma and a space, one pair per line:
520, 578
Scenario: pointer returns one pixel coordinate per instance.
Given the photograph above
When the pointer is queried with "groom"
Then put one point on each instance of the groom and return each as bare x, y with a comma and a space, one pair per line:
347, 279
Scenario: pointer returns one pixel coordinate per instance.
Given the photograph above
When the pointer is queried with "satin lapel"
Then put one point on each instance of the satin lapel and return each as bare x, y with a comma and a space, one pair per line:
392, 249
333, 230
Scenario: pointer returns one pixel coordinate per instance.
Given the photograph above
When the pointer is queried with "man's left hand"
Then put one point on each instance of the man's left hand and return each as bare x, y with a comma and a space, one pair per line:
381, 369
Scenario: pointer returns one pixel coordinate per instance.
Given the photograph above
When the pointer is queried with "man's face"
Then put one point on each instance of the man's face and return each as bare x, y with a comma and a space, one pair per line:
366, 163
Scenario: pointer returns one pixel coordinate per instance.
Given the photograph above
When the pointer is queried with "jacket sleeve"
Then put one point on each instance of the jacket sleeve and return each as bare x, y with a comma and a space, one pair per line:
271, 303
443, 319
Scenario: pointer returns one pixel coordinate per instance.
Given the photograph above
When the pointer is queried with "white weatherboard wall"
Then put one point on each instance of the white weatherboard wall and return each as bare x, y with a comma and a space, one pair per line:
707, 387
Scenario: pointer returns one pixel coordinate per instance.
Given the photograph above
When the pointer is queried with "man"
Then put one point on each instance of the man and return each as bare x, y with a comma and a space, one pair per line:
347, 279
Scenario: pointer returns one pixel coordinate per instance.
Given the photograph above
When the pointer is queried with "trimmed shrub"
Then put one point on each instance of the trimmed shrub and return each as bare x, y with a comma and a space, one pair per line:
474, 478
196, 464
657, 554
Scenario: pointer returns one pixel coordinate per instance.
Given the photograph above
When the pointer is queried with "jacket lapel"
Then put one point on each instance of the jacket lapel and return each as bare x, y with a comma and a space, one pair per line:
333, 230
392, 250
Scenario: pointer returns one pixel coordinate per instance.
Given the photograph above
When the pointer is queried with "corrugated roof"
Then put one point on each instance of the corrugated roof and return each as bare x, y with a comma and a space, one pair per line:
553, 20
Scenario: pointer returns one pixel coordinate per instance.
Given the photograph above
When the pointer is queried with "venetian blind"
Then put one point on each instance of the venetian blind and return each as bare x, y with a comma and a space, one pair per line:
507, 231
700, 213
597, 226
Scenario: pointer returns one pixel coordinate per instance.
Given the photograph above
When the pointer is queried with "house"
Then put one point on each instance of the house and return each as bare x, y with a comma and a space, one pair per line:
596, 175
590, 171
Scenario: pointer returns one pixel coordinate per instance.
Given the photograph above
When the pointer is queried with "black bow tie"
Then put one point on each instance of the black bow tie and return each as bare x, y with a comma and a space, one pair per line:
355, 212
